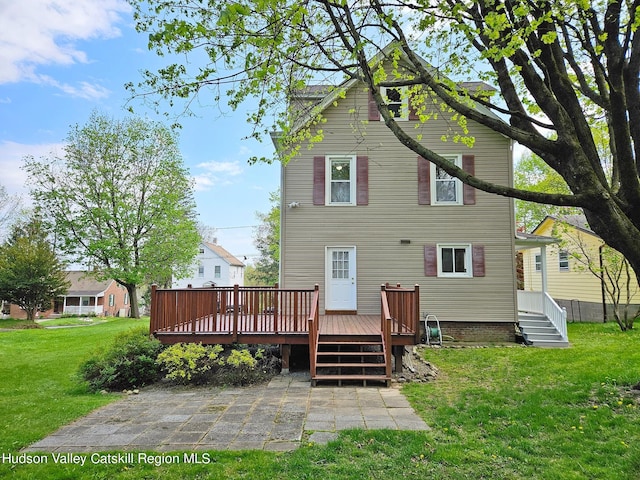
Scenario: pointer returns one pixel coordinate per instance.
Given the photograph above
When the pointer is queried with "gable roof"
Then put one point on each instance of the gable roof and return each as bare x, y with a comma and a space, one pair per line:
577, 221
83, 284
326, 95
224, 254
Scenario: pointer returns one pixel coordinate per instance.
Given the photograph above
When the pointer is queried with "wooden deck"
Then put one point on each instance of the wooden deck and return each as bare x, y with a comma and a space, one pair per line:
267, 315
273, 331
285, 317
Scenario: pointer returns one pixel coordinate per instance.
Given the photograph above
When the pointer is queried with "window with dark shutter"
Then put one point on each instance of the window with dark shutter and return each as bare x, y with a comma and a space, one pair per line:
468, 192
318, 180
374, 114
477, 254
430, 260
454, 260
362, 179
424, 182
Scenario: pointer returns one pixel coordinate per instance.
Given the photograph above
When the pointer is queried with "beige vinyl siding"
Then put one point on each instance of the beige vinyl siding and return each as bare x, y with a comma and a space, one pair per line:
393, 214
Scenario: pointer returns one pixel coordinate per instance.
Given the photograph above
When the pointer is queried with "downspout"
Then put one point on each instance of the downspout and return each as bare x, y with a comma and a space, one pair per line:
602, 289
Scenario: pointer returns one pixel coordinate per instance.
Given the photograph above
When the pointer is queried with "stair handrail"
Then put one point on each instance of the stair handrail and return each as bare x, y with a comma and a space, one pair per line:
314, 330
556, 315
385, 326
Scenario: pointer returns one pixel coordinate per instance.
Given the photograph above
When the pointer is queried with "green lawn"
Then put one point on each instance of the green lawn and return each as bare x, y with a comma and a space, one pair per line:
496, 413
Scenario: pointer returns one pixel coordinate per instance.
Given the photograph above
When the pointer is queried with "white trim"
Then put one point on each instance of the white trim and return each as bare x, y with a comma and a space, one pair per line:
457, 160
468, 260
404, 102
329, 159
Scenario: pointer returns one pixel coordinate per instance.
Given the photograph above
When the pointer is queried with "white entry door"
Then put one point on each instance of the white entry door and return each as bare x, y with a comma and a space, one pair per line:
341, 278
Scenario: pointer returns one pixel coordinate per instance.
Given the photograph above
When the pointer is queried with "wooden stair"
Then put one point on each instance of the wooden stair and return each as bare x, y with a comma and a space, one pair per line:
350, 358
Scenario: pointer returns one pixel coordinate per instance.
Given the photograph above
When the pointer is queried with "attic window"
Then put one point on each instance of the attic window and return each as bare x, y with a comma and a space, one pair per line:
397, 101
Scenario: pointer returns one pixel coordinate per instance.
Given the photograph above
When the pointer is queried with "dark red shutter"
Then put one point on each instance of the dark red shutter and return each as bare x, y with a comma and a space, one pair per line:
477, 254
413, 115
468, 192
430, 261
362, 180
374, 114
318, 180
424, 181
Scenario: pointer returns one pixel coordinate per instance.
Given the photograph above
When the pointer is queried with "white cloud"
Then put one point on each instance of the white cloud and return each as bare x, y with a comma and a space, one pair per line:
216, 174
227, 168
13, 178
34, 33
84, 90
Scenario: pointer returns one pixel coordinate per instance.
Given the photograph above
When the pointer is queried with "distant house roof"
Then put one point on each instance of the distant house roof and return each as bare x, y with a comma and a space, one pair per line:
577, 221
82, 284
224, 254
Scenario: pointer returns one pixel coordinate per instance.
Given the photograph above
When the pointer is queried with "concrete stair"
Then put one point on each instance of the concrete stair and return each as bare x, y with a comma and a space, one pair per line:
538, 329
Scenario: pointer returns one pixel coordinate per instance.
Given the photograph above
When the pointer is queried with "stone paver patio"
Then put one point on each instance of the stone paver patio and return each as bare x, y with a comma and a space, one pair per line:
275, 416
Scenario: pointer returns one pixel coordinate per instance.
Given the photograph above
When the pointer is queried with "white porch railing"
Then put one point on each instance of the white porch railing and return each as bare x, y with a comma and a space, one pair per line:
537, 302
84, 310
556, 314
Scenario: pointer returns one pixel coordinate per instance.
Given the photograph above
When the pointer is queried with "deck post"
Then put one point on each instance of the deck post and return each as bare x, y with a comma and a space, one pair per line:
416, 317
236, 299
276, 308
153, 320
285, 351
398, 353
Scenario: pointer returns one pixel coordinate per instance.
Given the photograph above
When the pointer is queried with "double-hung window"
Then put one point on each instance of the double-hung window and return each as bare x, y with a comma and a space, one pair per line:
341, 180
538, 262
454, 260
446, 189
200, 271
563, 261
397, 101
216, 271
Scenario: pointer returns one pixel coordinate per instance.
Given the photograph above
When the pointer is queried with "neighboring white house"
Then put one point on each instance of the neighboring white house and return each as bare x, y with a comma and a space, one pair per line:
213, 266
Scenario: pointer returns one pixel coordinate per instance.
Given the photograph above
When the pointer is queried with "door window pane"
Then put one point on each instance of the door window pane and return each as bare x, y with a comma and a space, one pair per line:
339, 264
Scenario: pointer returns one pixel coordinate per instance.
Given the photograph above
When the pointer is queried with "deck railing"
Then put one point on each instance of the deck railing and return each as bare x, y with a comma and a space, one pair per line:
230, 310
404, 308
386, 322
314, 330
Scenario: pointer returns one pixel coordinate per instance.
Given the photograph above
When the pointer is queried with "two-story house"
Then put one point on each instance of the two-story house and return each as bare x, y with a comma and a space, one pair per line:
213, 266
360, 209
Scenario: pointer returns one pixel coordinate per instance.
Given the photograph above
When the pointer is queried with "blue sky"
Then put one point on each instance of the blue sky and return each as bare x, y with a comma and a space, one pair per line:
60, 60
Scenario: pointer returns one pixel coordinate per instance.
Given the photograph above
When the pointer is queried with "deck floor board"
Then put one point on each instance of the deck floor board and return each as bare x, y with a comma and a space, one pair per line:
329, 325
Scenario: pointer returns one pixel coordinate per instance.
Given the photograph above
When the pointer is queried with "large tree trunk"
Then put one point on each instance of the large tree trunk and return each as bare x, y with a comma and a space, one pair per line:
31, 313
133, 300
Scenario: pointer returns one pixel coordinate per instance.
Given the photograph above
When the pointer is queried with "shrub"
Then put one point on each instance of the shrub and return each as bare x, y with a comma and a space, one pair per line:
244, 368
189, 362
130, 362
193, 363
